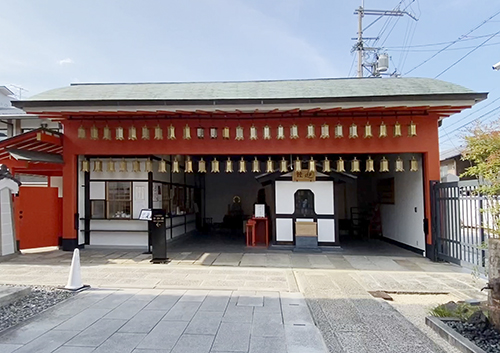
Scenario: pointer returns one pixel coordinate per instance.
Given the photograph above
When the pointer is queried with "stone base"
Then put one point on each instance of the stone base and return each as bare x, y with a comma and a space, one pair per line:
306, 243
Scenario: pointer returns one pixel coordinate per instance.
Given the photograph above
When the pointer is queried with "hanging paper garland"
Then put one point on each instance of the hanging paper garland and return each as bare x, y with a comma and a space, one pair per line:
326, 165
325, 131
266, 133
370, 167
382, 130
188, 165
202, 166
186, 132
94, 133
311, 131
384, 165
132, 133
145, 133
355, 165
243, 165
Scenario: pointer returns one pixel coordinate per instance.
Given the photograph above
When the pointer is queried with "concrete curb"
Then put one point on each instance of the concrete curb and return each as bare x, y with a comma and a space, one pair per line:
9, 294
452, 336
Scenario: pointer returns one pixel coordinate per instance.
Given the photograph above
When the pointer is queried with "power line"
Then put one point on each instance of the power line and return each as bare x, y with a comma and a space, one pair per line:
466, 55
441, 43
455, 41
473, 113
479, 118
434, 50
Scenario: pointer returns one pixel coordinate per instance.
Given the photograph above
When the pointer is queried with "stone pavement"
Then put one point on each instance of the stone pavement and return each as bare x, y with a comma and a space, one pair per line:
335, 286
175, 321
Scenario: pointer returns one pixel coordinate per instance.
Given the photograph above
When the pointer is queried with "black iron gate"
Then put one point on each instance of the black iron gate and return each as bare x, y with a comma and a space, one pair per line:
459, 222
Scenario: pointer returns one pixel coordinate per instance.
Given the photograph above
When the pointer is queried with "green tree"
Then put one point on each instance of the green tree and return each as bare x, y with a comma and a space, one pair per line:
483, 150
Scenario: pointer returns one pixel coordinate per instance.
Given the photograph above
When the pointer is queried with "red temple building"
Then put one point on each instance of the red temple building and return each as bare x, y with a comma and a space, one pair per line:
329, 159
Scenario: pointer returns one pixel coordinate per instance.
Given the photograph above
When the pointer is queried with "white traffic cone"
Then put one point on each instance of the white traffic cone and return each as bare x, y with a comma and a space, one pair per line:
75, 276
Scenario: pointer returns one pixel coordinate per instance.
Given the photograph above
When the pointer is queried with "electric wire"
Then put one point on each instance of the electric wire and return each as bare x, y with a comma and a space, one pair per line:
434, 50
455, 41
441, 43
473, 113
466, 55
477, 119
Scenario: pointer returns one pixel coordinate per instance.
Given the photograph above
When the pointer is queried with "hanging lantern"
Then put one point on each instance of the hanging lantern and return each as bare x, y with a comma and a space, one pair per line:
94, 133
213, 132
200, 132
384, 165
97, 166
119, 133
132, 133
253, 133
368, 131
188, 165
412, 129
399, 165
355, 166
311, 131
186, 132
202, 166
243, 165
382, 130
171, 132
397, 130
270, 166
413, 165
145, 133
215, 166
370, 167
326, 165
267, 133
340, 165
255, 165
312, 165
81, 132
226, 134
136, 166
353, 131
325, 131
85, 165
106, 133
123, 166
280, 135
111, 166
283, 165
229, 165
175, 166
162, 166
298, 165
239, 133
294, 132
149, 166
158, 132
339, 133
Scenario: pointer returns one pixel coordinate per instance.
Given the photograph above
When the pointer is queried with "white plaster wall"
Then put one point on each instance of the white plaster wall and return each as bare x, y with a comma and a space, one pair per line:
7, 238
140, 197
119, 239
323, 196
284, 229
326, 230
400, 221
220, 189
57, 182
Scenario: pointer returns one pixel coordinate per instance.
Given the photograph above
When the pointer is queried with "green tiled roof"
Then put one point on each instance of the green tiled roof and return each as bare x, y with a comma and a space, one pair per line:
289, 89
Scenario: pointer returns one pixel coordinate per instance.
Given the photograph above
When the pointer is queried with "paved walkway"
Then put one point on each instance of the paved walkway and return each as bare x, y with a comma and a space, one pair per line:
334, 285
175, 321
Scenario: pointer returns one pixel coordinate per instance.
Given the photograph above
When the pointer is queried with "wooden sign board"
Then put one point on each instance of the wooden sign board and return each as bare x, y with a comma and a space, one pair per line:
308, 229
304, 175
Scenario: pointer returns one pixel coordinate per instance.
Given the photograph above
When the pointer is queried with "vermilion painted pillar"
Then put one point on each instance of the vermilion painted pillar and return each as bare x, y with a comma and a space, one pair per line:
431, 169
70, 192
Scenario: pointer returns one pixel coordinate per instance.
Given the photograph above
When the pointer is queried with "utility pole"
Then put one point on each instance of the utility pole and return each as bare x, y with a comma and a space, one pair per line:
360, 45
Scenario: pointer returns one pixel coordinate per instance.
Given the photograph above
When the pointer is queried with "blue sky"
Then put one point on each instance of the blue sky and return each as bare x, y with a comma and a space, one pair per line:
51, 43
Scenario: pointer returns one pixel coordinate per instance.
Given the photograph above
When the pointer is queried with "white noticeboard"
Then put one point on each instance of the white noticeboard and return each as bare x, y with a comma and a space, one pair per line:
145, 215
260, 211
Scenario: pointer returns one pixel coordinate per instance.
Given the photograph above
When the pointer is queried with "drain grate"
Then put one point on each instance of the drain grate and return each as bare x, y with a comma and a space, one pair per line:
384, 294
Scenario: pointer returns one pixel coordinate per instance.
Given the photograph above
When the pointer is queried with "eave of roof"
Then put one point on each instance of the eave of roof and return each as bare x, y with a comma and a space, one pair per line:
320, 91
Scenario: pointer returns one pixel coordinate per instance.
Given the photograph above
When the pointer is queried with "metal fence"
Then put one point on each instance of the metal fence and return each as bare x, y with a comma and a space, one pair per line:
462, 220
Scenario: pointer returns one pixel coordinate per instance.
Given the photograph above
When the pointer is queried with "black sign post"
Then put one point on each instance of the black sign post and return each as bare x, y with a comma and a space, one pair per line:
156, 218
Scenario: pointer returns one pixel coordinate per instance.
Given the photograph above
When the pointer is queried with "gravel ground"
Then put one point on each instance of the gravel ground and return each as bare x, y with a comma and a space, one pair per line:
40, 299
416, 307
487, 339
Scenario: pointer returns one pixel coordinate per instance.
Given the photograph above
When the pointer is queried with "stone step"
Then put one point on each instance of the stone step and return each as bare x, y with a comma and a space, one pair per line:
9, 294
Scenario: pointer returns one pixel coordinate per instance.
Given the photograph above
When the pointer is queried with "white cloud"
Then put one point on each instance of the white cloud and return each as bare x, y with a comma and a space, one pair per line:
66, 61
